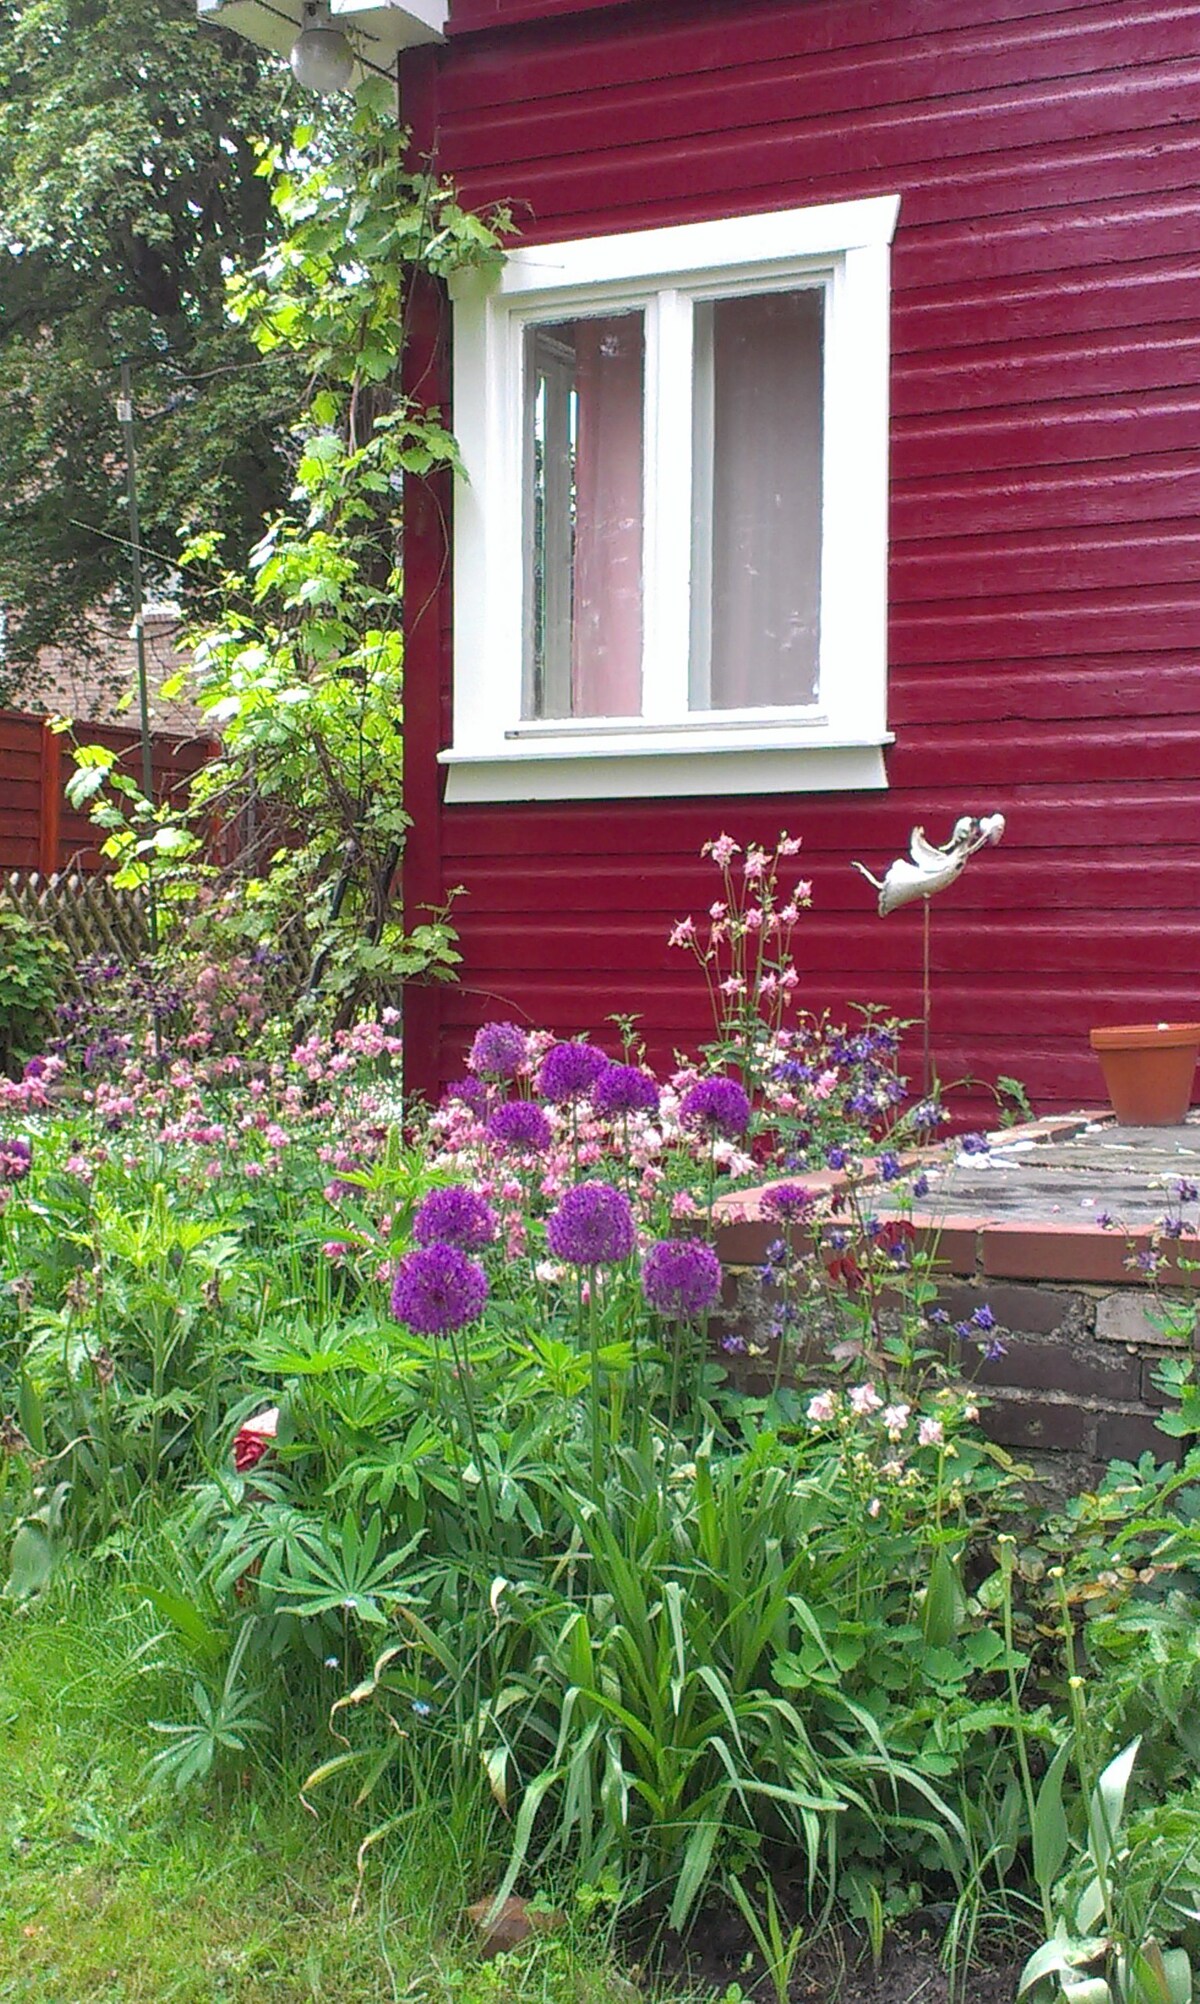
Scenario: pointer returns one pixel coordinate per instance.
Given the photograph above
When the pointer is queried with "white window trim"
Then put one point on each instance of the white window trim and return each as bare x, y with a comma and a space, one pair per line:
835, 745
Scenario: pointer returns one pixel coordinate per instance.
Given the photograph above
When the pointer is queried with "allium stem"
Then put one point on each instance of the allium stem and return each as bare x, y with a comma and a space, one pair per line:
462, 1370
594, 1385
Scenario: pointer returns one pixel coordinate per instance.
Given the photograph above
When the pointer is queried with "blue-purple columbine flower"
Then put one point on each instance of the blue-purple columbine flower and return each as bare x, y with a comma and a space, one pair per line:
974, 1144
569, 1071
983, 1317
681, 1278
926, 1114
991, 1349
1172, 1228
621, 1089
593, 1226
34, 1068
734, 1345
920, 1186
521, 1126
787, 1202
1104, 1219
455, 1216
16, 1155
939, 1317
499, 1050
717, 1106
837, 1157
889, 1166
1185, 1190
437, 1289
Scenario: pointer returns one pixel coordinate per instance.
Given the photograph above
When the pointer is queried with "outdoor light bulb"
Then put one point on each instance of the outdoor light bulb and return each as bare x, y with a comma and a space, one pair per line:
322, 59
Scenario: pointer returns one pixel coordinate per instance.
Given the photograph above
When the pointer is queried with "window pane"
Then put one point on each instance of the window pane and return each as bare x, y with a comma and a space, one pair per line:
583, 517
756, 540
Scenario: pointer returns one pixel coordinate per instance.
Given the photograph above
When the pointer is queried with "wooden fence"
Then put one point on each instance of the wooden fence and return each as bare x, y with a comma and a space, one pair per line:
94, 920
39, 829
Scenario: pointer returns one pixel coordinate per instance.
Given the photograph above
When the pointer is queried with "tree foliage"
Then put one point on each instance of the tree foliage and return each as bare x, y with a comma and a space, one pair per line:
128, 187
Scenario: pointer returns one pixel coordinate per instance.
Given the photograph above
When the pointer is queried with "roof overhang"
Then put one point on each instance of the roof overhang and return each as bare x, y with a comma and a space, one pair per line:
379, 28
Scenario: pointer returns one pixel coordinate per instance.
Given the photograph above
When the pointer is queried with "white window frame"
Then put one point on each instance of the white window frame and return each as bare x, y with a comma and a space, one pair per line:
835, 744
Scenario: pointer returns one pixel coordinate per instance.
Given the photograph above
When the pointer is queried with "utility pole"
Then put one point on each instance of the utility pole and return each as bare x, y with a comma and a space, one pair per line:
125, 418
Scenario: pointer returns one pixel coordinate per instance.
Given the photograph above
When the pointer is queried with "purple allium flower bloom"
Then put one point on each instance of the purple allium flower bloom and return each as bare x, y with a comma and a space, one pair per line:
719, 1105
974, 1144
519, 1124
624, 1089
455, 1216
472, 1092
499, 1050
593, 1226
681, 1278
992, 1349
836, 1157
438, 1289
983, 1317
569, 1071
1185, 1190
788, 1202
15, 1158
889, 1166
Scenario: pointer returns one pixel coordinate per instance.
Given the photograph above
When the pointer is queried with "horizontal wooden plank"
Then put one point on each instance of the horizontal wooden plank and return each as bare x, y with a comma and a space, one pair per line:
1019, 883
668, 39
1002, 568
1155, 488
922, 76
1026, 374
798, 158
1043, 815
1126, 687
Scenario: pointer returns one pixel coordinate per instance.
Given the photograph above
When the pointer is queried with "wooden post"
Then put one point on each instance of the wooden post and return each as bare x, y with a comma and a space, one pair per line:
49, 801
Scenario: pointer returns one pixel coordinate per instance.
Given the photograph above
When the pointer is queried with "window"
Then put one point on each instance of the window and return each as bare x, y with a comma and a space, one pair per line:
671, 554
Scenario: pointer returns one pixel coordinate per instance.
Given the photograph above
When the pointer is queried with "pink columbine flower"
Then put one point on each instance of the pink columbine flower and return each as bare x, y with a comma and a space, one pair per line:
821, 1408
722, 851
253, 1438
718, 911
930, 1433
790, 845
864, 1400
895, 1419
756, 863
684, 933
873, 1507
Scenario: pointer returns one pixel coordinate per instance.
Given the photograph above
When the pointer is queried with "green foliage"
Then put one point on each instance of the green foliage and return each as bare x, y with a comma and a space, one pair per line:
128, 184
31, 964
301, 662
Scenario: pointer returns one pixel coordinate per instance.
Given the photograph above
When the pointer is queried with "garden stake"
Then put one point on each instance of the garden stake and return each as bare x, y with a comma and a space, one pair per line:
923, 871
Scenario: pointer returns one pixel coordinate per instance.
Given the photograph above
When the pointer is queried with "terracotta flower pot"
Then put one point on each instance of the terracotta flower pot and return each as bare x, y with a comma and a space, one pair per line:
1148, 1069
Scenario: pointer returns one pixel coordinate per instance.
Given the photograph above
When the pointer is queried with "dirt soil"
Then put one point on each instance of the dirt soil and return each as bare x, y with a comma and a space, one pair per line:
719, 1954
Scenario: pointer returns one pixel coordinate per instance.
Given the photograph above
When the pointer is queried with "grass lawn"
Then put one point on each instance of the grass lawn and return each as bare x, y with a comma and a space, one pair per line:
114, 1892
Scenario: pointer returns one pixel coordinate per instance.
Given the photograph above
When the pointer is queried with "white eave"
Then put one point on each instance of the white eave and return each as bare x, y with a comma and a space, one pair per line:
383, 29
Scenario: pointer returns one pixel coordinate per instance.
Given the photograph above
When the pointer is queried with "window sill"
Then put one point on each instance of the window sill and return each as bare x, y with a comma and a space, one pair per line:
659, 767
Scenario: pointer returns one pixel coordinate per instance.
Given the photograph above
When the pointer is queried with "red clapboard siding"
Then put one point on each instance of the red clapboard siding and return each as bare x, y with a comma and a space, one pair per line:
1045, 559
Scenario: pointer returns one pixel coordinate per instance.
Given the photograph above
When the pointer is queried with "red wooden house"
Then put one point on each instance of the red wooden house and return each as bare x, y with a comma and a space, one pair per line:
834, 440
